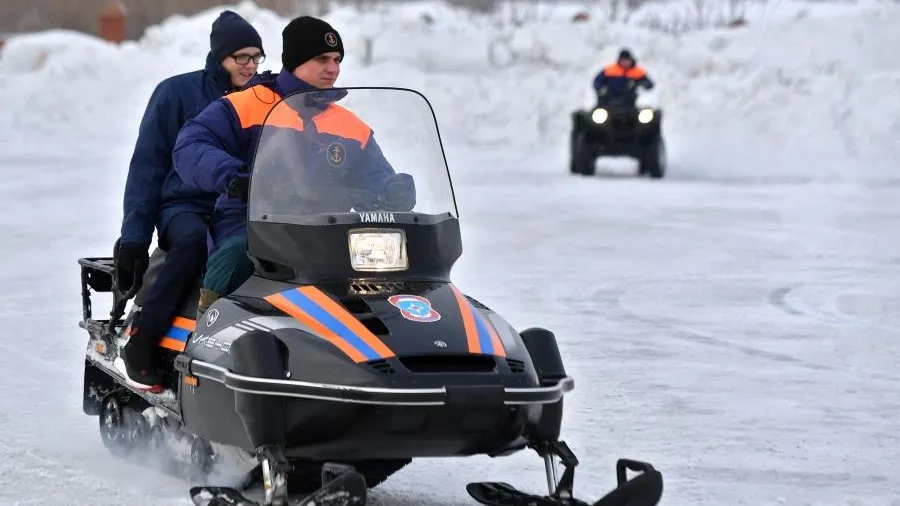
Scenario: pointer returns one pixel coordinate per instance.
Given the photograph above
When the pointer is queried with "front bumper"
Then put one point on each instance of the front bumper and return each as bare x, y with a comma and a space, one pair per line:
449, 395
619, 128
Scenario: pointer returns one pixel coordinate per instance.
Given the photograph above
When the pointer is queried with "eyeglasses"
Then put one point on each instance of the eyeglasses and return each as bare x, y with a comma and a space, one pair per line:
243, 59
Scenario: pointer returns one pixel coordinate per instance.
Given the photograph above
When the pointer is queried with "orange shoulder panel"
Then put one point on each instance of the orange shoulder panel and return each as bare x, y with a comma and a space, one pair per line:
283, 115
614, 70
253, 107
636, 72
336, 120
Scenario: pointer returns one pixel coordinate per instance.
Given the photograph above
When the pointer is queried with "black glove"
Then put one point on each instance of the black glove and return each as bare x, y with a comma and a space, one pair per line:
131, 261
239, 187
399, 193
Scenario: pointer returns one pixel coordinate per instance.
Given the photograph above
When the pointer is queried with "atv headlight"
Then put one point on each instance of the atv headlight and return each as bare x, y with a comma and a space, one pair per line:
599, 115
378, 250
645, 116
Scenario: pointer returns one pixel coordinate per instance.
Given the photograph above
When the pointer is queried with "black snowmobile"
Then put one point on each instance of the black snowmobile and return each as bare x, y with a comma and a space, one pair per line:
349, 352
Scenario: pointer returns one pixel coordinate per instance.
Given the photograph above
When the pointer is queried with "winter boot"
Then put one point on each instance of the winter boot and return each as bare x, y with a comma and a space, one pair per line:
207, 297
136, 363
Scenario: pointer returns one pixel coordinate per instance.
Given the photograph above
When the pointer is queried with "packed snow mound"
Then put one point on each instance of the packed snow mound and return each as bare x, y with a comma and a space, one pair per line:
818, 81
51, 52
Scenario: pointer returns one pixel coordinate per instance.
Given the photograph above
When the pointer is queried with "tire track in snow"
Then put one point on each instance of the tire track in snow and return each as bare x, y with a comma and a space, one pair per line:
32, 476
778, 298
61, 451
828, 312
840, 114
611, 301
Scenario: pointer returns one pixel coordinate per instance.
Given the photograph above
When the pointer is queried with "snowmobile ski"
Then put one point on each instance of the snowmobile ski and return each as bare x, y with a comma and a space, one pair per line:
504, 494
639, 491
642, 490
348, 489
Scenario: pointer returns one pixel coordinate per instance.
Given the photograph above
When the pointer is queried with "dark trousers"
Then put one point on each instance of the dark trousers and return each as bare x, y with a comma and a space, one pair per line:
228, 267
181, 268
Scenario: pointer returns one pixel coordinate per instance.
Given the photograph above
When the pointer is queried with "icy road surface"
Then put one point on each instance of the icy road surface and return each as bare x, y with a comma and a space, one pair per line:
737, 324
741, 333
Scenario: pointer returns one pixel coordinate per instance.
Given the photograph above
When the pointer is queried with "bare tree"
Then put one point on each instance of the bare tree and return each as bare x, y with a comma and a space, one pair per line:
369, 33
82, 15
511, 17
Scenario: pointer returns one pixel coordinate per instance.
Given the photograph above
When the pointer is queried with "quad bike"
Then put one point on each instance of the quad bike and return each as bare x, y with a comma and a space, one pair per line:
618, 127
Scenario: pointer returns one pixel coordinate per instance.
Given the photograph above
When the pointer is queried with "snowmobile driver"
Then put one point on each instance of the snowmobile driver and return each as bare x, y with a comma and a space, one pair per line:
619, 81
213, 150
156, 197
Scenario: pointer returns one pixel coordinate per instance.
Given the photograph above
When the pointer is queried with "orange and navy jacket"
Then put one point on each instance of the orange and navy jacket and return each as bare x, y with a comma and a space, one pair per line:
219, 143
616, 79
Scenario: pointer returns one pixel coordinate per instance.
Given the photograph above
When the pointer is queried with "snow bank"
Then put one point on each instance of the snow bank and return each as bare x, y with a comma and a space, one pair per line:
811, 78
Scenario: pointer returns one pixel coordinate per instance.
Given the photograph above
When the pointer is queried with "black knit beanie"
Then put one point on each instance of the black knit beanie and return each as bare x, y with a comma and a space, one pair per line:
231, 32
306, 37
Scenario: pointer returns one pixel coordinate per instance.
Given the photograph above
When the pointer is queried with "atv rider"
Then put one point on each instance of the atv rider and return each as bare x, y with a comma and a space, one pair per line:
214, 150
156, 197
618, 82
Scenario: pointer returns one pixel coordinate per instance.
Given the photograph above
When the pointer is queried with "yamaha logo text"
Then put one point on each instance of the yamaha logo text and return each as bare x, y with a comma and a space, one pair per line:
377, 217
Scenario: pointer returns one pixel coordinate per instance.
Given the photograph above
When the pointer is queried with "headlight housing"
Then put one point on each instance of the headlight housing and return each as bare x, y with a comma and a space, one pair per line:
645, 116
378, 250
599, 116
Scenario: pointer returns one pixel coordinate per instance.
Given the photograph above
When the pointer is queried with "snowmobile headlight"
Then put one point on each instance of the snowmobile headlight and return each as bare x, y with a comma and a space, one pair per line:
378, 250
645, 116
599, 115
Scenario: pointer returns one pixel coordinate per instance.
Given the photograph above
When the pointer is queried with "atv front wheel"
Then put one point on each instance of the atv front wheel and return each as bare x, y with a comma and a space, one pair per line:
582, 156
653, 161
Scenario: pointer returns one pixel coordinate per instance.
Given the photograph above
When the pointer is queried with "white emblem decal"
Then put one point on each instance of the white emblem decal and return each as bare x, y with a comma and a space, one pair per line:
211, 316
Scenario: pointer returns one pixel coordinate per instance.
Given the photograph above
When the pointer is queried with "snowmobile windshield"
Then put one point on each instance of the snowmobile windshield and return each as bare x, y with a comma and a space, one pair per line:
349, 150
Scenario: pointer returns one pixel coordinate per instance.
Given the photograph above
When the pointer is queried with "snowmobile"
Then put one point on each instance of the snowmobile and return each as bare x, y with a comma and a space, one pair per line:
617, 126
349, 352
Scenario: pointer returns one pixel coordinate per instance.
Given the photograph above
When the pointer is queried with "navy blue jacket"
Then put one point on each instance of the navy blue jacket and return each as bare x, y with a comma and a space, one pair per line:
154, 192
218, 144
619, 80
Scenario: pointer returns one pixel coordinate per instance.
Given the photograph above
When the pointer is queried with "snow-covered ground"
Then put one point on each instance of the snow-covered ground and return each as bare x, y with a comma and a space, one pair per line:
736, 323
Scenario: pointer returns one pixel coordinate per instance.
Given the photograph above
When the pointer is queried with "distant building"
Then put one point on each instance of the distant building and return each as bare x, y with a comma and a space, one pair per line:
82, 15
